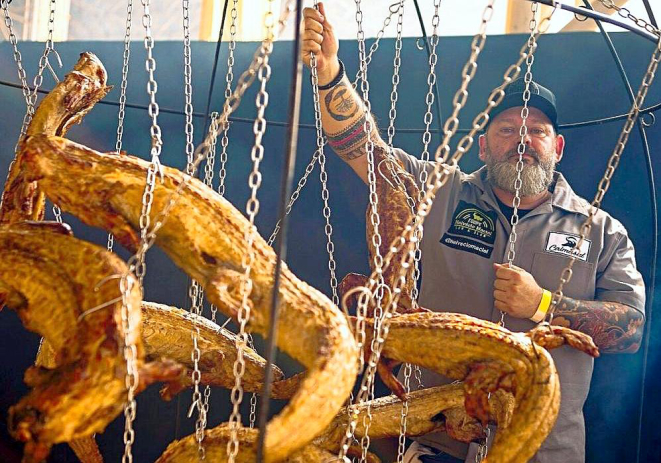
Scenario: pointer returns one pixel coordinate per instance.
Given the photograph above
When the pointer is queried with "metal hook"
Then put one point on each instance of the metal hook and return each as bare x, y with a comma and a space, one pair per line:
417, 43
105, 280
378, 168
99, 307
394, 8
59, 63
651, 122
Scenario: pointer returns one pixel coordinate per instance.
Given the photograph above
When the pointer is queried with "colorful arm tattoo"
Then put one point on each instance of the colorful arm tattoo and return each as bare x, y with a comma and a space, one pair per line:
614, 327
350, 142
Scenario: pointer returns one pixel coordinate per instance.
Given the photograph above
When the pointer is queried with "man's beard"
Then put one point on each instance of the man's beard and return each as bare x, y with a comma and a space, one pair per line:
535, 177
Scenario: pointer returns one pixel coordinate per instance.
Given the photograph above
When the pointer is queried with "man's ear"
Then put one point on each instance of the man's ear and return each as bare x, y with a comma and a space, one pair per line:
559, 147
482, 141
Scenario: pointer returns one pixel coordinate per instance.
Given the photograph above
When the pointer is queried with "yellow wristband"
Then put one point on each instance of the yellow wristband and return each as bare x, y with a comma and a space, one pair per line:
543, 306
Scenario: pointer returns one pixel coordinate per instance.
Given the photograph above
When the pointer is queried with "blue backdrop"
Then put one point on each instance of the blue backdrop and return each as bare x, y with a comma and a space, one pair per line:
577, 67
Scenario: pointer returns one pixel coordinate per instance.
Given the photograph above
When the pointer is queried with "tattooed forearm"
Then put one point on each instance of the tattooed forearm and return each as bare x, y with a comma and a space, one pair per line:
614, 327
350, 142
340, 102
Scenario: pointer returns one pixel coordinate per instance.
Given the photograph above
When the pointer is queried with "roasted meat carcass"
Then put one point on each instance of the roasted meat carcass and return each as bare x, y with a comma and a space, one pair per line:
67, 290
398, 199
488, 358
204, 235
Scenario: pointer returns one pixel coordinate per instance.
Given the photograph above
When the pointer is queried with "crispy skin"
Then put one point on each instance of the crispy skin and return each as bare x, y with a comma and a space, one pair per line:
48, 268
66, 105
167, 333
393, 185
204, 235
459, 346
215, 445
439, 408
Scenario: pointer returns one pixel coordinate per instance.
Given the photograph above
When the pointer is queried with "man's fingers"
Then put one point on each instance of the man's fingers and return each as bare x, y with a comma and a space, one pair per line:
311, 24
500, 305
314, 36
504, 272
322, 10
500, 295
502, 285
311, 46
312, 13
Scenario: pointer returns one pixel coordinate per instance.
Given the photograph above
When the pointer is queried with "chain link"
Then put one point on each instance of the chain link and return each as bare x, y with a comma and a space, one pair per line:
626, 14
323, 177
301, 183
32, 95
229, 78
122, 93
521, 147
367, 385
440, 174
252, 208
393, 9
612, 165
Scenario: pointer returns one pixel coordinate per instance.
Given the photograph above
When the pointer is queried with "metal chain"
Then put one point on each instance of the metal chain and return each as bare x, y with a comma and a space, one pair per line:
367, 386
626, 14
152, 88
229, 78
301, 183
323, 177
426, 139
521, 147
401, 445
196, 293
440, 174
393, 9
126, 284
604, 183
137, 263
252, 208
122, 93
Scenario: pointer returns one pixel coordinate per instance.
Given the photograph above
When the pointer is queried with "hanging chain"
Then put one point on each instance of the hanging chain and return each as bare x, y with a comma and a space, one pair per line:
252, 208
122, 93
440, 175
195, 291
393, 9
323, 177
521, 147
401, 445
229, 77
367, 386
31, 96
604, 183
301, 183
626, 14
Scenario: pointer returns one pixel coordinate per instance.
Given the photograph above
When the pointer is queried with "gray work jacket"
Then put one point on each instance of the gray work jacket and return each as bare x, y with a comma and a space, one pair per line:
465, 233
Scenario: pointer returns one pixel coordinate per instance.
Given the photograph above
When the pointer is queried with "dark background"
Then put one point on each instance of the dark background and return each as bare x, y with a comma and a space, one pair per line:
578, 68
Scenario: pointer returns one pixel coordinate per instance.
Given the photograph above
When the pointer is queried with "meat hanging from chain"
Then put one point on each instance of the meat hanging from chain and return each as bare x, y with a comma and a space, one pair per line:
204, 235
67, 290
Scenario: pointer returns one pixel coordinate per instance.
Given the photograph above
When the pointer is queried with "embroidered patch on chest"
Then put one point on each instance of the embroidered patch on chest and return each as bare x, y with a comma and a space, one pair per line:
564, 243
472, 230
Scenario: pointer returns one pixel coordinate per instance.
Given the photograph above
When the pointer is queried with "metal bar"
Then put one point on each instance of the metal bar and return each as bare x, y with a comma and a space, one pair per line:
655, 226
215, 67
287, 181
437, 94
599, 16
244, 120
650, 13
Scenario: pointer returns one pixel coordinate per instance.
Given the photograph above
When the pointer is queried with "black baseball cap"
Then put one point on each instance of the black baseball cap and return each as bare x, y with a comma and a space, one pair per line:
540, 97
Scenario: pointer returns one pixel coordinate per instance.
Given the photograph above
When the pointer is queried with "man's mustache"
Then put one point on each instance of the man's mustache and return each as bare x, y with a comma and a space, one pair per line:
529, 151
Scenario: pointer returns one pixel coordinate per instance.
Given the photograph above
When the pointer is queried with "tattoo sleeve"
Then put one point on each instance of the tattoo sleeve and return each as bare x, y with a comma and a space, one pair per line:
340, 102
614, 327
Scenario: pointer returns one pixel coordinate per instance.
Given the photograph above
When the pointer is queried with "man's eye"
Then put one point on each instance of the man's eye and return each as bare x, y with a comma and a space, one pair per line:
507, 130
538, 131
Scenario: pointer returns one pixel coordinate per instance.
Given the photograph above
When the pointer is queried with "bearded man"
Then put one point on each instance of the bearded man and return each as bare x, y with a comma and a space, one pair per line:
466, 240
